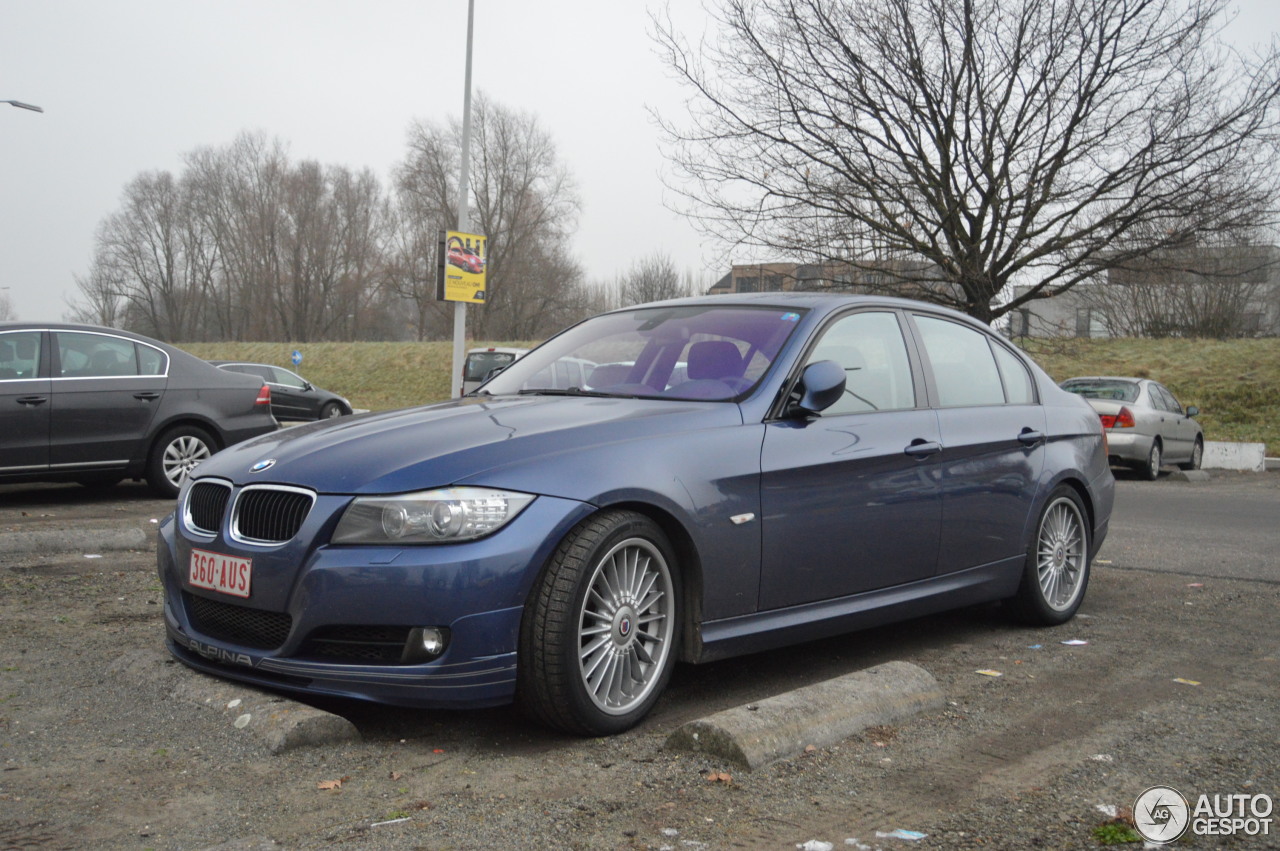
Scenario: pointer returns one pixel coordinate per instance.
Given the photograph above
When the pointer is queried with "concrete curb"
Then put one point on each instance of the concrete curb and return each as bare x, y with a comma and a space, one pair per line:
277, 723
780, 727
91, 539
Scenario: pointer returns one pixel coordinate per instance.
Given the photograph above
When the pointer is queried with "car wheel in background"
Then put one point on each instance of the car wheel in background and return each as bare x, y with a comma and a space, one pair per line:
1197, 456
1151, 470
1057, 571
174, 456
597, 642
330, 410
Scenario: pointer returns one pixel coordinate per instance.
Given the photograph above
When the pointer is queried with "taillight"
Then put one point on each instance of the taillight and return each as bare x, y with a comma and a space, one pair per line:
264, 396
1124, 419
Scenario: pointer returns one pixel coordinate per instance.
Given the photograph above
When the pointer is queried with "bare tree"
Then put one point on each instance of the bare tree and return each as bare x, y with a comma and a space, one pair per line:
524, 202
1201, 290
652, 278
965, 145
6, 307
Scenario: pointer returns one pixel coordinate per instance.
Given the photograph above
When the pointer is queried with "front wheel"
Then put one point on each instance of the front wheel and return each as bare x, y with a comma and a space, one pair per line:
1197, 456
1057, 567
597, 642
330, 411
174, 456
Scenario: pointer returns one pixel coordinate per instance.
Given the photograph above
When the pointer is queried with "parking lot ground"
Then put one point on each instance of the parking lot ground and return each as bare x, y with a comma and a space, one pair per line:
1176, 685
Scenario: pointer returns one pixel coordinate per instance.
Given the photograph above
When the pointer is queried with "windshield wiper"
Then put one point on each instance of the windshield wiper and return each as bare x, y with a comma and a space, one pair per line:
569, 391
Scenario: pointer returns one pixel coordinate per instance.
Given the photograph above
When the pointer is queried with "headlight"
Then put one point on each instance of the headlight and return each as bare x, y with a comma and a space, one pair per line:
428, 517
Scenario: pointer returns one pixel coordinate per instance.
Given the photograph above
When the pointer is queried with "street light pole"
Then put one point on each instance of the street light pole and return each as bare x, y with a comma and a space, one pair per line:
20, 105
464, 214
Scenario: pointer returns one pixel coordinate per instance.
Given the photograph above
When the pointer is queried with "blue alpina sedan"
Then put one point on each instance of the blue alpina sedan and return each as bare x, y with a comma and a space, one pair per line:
737, 473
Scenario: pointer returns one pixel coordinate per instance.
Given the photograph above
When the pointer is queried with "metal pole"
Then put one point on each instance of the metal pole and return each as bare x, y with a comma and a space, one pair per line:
464, 214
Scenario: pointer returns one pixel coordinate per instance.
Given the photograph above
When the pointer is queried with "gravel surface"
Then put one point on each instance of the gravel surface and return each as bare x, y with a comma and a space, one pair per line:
99, 751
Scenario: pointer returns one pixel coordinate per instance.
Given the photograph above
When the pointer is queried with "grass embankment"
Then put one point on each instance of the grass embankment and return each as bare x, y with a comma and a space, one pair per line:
1235, 383
376, 376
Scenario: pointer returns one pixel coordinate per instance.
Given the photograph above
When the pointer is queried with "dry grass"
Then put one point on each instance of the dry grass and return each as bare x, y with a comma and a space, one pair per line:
1236, 383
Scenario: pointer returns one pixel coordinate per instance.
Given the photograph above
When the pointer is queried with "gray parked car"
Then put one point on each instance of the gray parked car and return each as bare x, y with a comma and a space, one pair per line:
95, 405
1146, 426
292, 396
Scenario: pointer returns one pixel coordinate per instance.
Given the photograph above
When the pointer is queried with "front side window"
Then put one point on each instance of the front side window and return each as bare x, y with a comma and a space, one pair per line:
19, 355
702, 352
873, 353
964, 369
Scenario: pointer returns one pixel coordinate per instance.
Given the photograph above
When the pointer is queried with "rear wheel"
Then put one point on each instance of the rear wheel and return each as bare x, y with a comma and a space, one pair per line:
174, 456
1151, 470
1057, 568
597, 642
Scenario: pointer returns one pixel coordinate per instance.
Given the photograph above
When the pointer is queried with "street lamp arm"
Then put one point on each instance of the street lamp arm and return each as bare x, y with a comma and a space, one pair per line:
20, 105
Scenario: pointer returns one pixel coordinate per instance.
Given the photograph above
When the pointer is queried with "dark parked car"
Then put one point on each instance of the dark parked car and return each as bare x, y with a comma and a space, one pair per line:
827, 463
292, 396
1146, 426
95, 405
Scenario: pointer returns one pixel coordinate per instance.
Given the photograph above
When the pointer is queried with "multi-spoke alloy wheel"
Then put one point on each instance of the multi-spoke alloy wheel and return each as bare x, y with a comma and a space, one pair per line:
624, 631
1057, 568
174, 456
598, 638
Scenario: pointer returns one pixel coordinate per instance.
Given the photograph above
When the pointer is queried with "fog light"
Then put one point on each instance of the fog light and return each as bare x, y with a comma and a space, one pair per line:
425, 644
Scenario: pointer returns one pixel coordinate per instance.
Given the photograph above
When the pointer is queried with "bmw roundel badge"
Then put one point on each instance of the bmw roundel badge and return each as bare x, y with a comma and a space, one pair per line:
262, 465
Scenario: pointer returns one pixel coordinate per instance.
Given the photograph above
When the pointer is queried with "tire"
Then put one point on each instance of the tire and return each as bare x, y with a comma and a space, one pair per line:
1197, 456
1057, 570
1151, 470
173, 457
598, 637
331, 410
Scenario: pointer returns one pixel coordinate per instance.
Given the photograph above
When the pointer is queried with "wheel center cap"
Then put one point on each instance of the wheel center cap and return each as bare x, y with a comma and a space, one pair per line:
624, 623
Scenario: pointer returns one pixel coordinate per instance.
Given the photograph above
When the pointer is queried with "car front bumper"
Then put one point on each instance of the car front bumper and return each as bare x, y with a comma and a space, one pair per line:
474, 590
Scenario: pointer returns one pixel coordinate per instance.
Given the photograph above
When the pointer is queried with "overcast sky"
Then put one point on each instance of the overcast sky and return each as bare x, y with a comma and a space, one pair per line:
132, 85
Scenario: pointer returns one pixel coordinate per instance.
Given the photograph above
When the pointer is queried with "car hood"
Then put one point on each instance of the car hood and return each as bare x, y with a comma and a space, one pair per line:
466, 440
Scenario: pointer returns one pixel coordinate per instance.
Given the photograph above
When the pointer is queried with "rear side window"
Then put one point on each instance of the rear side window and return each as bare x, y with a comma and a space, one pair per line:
83, 355
964, 368
150, 361
1018, 388
19, 355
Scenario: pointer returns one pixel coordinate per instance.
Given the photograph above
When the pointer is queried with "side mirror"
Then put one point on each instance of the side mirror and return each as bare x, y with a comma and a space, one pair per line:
306, 385
821, 386
1192, 410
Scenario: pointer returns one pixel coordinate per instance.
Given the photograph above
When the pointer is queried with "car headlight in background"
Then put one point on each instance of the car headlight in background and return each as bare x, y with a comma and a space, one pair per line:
441, 516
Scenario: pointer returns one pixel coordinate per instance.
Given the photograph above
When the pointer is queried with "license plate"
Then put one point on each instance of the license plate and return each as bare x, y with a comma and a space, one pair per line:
222, 573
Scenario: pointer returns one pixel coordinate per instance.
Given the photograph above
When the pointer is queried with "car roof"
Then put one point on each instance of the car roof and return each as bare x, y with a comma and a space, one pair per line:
820, 302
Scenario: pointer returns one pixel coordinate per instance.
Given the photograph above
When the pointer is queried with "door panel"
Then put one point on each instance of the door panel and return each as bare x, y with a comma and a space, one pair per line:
845, 508
24, 404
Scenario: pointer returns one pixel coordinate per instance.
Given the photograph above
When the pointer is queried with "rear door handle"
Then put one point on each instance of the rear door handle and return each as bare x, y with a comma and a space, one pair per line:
921, 448
31, 401
146, 395
1030, 437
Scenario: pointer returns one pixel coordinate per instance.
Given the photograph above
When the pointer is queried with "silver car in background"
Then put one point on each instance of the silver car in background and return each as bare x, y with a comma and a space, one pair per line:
1146, 426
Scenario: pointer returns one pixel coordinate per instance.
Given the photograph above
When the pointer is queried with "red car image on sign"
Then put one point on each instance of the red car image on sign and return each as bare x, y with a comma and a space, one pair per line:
223, 573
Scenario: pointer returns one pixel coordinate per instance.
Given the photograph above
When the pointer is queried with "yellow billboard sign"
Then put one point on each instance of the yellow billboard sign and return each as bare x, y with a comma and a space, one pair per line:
460, 266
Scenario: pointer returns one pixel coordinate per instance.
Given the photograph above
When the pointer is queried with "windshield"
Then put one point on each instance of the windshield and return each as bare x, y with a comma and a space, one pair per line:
1103, 388
686, 352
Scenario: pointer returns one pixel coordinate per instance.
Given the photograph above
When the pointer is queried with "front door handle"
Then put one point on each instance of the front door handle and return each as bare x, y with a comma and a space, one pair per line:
32, 401
921, 448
